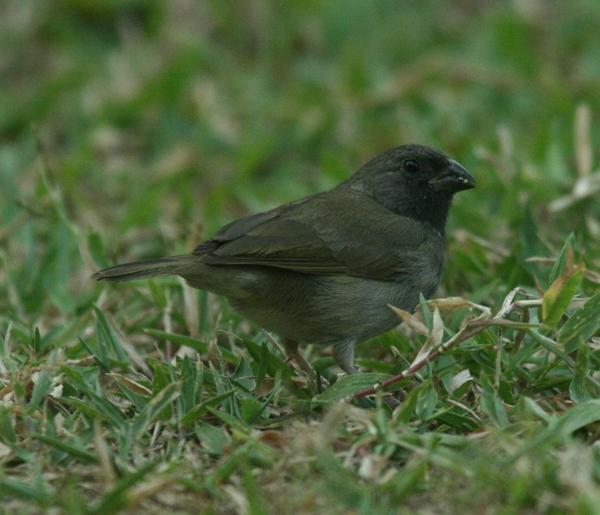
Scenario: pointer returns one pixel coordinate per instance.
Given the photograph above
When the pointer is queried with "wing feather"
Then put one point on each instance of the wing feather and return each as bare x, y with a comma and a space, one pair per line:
321, 235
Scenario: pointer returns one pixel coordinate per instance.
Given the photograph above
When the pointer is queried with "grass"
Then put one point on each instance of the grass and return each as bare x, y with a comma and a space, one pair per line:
135, 129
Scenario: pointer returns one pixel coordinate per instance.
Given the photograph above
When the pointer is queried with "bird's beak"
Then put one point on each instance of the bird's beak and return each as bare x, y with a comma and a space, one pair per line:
455, 178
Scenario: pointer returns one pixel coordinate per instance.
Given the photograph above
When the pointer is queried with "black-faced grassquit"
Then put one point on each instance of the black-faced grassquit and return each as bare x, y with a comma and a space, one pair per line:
324, 269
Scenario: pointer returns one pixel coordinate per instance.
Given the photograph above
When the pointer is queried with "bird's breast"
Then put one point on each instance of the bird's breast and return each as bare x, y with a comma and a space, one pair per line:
422, 268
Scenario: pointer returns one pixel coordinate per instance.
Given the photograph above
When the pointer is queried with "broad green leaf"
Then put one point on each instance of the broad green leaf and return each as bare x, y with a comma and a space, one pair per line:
86, 408
426, 312
227, 466
98, 354
348, 385
413, 475
561, 261
456, 419
492, 404
532, 407
190, 385
41, 388
577, 417
116, 498
23, 490
254, 494
407, 410
552, 347
159, 294
426, 401
154, 408
230, 420
44, 381
36, 340
192, 343
583, 324
558, 296
578, 389
97, 250
106, 338
72, 449
7, 430
214, 439
250, 408
266, 359
200, 409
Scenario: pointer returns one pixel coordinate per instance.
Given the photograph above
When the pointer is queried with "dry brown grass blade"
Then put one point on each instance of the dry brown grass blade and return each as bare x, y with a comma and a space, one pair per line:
583, 140
471, 328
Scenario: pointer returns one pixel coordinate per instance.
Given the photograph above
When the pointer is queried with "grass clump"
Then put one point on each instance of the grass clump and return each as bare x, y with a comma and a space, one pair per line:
135, 129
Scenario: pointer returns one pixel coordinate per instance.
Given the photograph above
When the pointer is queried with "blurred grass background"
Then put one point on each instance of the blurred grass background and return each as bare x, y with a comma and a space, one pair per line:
133, 129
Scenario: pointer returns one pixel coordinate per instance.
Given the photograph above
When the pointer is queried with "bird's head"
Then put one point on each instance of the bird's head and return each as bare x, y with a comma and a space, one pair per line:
414, 181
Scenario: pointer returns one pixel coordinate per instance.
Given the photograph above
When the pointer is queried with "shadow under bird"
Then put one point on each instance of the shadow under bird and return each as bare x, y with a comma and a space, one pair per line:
324, 269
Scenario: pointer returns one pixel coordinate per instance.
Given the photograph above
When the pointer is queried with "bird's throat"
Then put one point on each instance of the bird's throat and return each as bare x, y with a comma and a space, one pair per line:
431, 208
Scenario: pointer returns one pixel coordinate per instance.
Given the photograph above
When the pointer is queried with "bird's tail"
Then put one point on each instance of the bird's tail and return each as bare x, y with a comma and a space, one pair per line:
173, 265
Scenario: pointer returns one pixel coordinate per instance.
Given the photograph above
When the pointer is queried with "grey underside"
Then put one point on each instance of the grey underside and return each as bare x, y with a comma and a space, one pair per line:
315, 309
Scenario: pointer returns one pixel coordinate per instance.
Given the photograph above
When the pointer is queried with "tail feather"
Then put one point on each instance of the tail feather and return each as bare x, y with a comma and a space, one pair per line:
173, 265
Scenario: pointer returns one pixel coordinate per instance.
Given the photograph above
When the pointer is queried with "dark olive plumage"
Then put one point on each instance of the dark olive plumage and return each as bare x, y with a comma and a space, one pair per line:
324, 269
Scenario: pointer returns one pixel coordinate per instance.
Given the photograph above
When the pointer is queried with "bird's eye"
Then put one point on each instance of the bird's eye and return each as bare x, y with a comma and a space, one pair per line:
411, 166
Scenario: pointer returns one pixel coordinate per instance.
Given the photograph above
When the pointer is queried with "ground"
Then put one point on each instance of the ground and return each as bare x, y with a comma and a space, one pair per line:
134, 129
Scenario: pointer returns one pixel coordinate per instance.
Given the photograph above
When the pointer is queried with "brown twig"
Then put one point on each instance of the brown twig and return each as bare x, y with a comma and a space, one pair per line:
471, 328
462, 335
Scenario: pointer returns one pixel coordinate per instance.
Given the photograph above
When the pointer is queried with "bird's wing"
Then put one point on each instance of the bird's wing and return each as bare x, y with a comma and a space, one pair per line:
328, 234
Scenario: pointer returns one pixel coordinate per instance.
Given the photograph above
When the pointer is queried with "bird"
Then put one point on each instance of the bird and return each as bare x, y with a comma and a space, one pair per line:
325, 269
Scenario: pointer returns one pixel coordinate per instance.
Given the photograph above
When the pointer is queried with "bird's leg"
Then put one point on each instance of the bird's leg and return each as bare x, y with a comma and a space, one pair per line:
291, 349
343, 353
